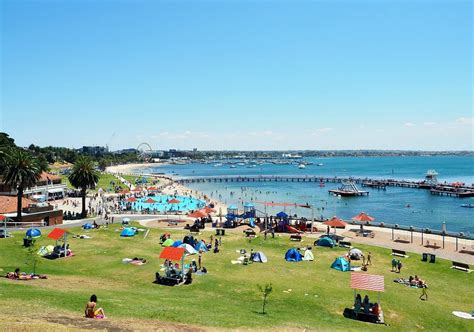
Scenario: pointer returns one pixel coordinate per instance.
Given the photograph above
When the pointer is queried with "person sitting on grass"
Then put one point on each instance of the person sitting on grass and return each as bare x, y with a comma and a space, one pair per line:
366, 304
376, 309
91, 310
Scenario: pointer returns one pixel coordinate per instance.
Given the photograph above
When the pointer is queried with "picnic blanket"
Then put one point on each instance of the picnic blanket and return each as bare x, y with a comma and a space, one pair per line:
134, 261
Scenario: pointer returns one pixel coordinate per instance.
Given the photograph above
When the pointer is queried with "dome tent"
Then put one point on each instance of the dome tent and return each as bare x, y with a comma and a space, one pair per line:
127, 232
326, 242
293, 255
260, 257
355, 254
177, 243
33, 233
341, 264
201, 246
167, 243
87, 226
189, 249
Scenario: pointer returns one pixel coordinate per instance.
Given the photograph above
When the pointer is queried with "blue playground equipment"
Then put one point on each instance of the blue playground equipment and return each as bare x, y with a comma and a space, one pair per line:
233, 218
283, 222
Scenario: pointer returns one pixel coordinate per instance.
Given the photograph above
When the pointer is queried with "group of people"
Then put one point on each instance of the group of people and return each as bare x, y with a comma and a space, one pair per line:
396, 265
17, 275
365, 306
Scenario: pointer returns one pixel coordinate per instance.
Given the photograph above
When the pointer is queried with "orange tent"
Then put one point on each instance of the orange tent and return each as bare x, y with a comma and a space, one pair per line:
335, 222
363, 217
197, 214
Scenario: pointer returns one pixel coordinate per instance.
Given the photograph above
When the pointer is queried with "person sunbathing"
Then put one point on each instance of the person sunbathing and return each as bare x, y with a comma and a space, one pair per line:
92, 311
14, 275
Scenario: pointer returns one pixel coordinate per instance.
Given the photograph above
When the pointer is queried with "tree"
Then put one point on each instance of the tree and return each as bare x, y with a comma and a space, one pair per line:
84, 176
21, 170
32, 257
265, 290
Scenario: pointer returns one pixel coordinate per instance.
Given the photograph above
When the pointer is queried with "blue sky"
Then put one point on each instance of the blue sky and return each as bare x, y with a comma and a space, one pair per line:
238, 74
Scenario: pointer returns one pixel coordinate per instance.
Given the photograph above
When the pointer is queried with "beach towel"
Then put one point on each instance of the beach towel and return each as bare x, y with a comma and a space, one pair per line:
464, 315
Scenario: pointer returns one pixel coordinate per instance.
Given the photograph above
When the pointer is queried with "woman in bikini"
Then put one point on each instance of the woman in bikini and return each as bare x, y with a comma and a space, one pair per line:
91, 311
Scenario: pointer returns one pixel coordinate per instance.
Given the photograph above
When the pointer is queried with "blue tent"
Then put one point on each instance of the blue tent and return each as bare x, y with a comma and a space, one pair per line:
33, 233
293, 255
201, 246
128, 232
326, 242
282, 215
176, 244
87, 226
341, 264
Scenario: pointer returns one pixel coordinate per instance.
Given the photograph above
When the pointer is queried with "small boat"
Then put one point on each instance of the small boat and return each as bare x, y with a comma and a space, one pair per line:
301, 166
469, 205
320, 164
233, 166
217, 165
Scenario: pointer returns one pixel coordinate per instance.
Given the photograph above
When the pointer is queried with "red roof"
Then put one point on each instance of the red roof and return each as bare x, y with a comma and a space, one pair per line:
56, 233
335, 222
171, 253
368, 282
174, 201
363, 217
8, 203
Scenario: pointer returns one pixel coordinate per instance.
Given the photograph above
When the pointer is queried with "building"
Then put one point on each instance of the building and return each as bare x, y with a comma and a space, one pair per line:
33, 213
93, 150
49, 186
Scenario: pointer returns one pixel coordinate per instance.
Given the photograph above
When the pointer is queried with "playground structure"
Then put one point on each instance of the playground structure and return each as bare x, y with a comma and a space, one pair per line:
234, 219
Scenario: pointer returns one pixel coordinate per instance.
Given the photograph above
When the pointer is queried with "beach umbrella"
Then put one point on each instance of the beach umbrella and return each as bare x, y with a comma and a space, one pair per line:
174, 201
197, 214
150, 201
131, 199
335, 222
33, 233
208, 210
363, 217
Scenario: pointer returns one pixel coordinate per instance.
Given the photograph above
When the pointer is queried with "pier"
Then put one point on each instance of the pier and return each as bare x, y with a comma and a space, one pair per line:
438, 189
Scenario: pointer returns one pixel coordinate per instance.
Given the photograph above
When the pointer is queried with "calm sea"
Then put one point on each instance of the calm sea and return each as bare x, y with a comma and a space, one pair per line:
389, 206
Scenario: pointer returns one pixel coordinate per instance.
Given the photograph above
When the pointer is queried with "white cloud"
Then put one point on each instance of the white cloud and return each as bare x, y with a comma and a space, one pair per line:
321, 130
465, 121
409, 124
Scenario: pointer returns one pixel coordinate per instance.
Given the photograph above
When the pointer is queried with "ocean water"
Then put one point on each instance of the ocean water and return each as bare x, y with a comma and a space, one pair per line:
389, 206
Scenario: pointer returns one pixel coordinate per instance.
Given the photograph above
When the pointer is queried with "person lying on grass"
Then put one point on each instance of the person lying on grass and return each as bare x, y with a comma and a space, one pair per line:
17, 275
91, 310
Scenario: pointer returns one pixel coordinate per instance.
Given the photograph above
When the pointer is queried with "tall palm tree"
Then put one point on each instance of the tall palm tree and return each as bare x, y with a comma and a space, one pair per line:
84, 176
20, 170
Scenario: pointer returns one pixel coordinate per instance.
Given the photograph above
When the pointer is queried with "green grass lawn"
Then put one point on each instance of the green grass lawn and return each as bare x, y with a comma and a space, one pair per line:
228, 296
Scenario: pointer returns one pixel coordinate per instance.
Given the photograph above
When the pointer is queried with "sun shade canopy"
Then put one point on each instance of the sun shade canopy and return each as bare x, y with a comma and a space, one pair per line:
173, 254
369, 282
335, 222
363, 217
56, 234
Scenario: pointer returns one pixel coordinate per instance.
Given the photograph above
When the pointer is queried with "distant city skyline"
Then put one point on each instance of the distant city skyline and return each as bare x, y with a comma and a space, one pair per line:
238, 75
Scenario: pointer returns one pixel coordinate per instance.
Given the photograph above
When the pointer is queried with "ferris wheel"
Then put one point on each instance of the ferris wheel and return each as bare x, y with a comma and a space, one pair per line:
144, 151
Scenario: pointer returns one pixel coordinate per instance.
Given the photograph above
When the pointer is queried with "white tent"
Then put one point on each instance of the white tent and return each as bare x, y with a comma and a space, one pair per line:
260, 257
308, 255
189, 249
355, 254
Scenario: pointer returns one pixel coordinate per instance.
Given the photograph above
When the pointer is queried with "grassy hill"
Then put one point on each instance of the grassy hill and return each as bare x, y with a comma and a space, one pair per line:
228, 296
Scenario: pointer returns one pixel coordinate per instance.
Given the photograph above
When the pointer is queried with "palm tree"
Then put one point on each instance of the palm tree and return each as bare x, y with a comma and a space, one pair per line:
84, 176
21, 170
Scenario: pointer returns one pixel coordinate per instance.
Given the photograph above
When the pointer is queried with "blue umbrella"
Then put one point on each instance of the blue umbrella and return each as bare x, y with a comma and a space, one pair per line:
33, 233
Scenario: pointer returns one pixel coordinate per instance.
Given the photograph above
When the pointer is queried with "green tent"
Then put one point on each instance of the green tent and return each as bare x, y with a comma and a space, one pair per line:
167, 243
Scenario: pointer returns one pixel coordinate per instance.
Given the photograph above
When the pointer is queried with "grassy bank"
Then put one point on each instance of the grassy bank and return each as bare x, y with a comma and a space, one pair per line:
228, 297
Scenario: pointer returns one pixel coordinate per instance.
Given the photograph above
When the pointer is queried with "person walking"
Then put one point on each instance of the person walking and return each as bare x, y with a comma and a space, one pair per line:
424, 295
199, 259
369, 258
399, 266
394, 264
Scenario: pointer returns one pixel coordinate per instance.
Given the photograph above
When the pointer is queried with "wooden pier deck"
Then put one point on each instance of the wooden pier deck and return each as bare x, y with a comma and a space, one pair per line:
442, 190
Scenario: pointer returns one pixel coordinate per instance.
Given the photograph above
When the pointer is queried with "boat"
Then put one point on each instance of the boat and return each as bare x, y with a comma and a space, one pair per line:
469, 205
217, 165
301, 166
233, 166
320, 164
